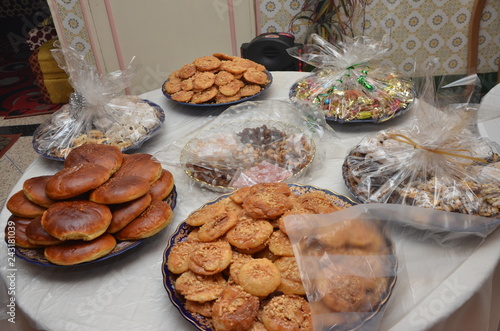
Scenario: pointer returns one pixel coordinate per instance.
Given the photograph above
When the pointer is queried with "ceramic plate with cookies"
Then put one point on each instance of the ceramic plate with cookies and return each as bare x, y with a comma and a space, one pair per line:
217, 80
126, 122
231, 261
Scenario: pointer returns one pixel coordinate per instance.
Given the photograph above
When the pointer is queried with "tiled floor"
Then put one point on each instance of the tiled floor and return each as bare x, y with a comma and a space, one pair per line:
20, 155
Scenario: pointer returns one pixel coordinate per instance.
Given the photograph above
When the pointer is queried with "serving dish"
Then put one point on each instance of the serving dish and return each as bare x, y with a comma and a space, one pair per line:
462, 207
205, 323
212, 104
236, 154
35, 256
401, 103
51, 141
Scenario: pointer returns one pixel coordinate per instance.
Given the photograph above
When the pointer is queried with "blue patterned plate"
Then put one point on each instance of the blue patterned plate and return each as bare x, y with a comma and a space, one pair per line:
47, 126
36, 256
213, 104
183, 230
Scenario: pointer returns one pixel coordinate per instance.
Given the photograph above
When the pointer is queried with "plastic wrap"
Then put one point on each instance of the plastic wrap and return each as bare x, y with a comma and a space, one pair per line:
360, 266
439, 162
98, 112
249, 143
347, 85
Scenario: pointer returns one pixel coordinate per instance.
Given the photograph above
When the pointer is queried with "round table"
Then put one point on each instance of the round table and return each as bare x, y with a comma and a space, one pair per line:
127, 291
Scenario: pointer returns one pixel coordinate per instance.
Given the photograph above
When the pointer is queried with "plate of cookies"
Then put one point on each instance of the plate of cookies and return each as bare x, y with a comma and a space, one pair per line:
237, 154
217, 80
126, 122
235, 252
101, 204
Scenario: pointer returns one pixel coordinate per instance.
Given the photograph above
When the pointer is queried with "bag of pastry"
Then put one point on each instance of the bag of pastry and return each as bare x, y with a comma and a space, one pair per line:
251, 142
98, 111
347, 84
363, 268
438, 162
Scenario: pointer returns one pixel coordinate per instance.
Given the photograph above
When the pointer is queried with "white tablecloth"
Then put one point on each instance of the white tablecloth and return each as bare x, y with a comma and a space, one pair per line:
127, 292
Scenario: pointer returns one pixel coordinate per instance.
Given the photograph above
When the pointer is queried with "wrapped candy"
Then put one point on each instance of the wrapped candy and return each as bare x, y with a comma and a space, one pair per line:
98, 112
345, 86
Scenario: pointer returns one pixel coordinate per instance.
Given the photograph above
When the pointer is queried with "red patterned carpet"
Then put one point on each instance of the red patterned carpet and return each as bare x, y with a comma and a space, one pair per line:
19, 94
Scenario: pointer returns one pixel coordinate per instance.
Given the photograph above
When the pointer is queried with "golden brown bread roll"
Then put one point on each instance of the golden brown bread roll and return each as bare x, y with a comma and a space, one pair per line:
37, 235
75, 252
71, 182
19, 235
120, 190
108, 156
34, 189
76, 220
125, 213
19, 205
163, 186
142, 165
156, 217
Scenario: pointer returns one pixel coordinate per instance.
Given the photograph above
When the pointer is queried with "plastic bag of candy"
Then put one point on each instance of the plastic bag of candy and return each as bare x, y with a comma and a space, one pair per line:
347, 85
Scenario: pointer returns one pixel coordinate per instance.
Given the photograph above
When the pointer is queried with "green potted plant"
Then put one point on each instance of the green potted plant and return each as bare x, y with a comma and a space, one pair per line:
330, 19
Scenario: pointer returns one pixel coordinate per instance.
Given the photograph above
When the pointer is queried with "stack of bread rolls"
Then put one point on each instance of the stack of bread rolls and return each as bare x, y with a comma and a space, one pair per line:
101, 196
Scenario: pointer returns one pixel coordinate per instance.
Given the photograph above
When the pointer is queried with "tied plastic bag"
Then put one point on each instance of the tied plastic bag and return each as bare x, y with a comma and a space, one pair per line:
249, 143
364, 268
98, 112
346, 85
440, 162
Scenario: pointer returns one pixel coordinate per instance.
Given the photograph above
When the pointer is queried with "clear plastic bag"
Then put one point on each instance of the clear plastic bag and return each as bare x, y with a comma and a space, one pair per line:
249, 143
98, 112
439, 162
365, 268
347, 85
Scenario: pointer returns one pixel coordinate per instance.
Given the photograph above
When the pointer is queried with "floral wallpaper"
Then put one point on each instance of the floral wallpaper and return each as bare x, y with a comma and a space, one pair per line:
419, 30
75, 31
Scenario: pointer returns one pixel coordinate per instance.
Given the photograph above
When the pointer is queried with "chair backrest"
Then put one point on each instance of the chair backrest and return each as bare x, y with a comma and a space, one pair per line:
473, 47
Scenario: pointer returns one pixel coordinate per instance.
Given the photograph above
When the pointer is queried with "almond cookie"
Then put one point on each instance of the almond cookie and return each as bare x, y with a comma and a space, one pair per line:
218, 225
291, 283
221, 98
203, 80
235, 309
200, 288
279, 244
183, 96
233, 67
268, 205
230, 88
254, 76
287, 312
223, 56
223, 77
249, 234
178, 259
259, 277
173, 85
210, 258
187, 71
207, 63
250, 89
187, 84
204, 96
205, 214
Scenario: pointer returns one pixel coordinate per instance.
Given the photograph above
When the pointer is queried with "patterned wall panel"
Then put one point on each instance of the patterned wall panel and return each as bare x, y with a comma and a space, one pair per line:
75, 32
419, 30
